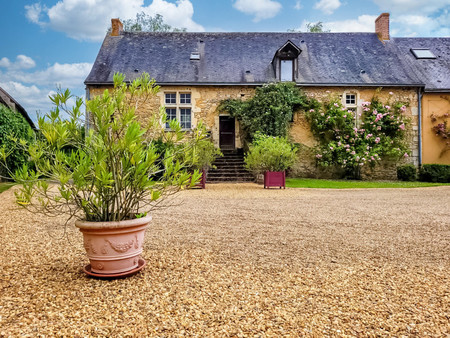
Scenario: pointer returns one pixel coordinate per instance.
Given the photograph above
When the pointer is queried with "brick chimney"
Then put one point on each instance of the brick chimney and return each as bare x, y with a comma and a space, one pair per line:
116, 27
382, 26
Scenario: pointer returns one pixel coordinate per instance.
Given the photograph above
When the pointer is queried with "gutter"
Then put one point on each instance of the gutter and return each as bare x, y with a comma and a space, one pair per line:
257, 84
437, 90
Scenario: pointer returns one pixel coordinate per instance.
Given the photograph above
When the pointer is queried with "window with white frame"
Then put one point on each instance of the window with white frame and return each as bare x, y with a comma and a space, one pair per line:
350, 101
178, 107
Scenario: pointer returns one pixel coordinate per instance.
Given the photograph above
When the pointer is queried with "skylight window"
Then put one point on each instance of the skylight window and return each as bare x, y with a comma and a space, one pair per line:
195, 56
423, 53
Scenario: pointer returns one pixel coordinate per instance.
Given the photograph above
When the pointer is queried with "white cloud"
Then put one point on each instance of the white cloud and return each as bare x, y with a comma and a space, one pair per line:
260, 9
413, 20
364, 23
327, 6
298, 5
408, 6
32, 88
22, 62
32, 98
421, 25
33, 12
418, 17
25, 62
89, 19
4, 62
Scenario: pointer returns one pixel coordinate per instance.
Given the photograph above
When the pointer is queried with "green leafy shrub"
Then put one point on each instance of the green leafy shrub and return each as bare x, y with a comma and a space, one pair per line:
342, 142
269, 111
435, 173
202, 155
407, 172
13, 127
269, 153
115, 172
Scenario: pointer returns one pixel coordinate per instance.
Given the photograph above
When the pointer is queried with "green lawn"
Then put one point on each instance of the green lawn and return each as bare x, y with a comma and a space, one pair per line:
347, 184
5, 186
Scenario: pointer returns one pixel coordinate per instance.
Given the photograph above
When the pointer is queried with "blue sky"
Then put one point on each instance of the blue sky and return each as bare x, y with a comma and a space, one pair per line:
51, 43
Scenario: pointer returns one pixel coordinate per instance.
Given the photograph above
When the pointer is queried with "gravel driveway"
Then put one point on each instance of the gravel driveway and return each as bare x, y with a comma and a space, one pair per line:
238, 260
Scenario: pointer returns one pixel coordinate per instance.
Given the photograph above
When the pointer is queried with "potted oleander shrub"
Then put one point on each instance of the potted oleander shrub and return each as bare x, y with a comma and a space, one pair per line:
109, 179
271, 156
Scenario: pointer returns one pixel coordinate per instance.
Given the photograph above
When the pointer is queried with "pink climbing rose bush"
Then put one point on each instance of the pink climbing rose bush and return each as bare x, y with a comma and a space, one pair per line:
351, 140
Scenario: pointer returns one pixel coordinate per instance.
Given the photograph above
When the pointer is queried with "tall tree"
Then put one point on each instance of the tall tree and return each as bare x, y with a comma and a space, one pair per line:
148, 23
312, 28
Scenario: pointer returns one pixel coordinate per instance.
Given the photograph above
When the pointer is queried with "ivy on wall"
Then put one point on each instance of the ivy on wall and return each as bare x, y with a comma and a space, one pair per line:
270, 110
13, 126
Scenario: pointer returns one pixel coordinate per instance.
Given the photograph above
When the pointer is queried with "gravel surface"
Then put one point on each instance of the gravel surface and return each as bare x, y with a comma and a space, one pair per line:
238, 260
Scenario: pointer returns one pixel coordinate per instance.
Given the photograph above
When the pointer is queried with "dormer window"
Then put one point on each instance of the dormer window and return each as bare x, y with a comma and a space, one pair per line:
285, 62
287, 70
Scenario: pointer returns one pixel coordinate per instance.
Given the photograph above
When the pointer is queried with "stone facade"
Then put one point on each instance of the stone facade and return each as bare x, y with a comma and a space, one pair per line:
301, 133
206, 99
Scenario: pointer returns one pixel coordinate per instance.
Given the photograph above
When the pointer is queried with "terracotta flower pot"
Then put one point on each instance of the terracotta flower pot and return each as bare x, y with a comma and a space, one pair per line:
113, 248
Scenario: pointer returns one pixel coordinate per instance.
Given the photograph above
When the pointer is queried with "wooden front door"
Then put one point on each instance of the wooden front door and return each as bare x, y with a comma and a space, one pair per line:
226, 131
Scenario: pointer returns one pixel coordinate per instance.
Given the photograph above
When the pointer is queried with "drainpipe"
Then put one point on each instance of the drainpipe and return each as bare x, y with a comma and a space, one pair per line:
420, 94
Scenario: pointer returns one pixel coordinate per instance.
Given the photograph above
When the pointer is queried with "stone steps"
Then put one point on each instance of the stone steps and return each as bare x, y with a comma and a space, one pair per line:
229, 168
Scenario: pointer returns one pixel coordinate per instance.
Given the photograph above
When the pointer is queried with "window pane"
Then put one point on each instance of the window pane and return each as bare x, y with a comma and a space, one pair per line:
423, 54
171, 115
185, 98
287, 70
350, 99
171, 98
185, 118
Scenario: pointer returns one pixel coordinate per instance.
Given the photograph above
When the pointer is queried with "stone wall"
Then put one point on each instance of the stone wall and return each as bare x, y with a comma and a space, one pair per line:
206, 99
301, 133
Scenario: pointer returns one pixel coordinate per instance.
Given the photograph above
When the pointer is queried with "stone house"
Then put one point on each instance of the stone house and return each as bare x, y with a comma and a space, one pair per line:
196, 71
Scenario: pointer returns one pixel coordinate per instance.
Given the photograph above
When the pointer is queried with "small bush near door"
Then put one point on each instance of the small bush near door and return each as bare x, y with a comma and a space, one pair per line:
435, 173
407, 172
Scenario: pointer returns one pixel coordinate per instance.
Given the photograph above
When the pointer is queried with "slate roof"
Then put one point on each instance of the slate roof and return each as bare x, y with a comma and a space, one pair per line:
348, 59
434, 73
12, 104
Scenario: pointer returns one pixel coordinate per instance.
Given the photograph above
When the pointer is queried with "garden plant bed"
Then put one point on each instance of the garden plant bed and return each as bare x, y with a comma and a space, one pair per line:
239, 260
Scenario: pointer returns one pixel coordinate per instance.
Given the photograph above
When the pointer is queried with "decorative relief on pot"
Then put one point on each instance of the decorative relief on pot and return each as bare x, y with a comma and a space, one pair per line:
136, 243
104, 250
99, 266
89, 247
121, 247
